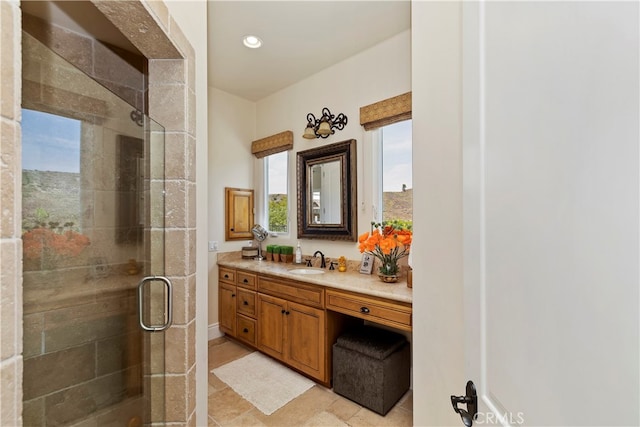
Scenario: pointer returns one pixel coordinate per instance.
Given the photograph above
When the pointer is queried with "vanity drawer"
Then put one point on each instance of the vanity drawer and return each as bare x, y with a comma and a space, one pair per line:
227, 275
246, 302
385, 312
246, 280
246, 329
292, 291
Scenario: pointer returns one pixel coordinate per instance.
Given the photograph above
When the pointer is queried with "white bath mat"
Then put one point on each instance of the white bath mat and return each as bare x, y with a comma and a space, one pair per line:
265, 383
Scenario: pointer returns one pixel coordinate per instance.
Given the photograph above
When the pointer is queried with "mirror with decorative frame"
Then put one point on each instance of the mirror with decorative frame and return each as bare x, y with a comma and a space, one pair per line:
327, 199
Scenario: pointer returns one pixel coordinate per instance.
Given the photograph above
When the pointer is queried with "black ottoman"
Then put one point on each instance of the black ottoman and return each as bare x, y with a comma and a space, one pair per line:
372, 367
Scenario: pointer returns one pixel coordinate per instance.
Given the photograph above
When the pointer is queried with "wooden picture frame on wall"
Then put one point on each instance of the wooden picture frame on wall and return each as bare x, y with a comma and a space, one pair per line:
239, 211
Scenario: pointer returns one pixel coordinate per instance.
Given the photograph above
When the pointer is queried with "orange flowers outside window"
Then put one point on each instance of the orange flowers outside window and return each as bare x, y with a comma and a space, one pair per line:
388, 243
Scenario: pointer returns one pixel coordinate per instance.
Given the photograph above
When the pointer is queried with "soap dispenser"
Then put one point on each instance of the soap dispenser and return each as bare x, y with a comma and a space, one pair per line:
298, 254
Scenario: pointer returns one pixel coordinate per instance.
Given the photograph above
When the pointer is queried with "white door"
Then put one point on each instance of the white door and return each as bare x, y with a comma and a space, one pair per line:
551, 211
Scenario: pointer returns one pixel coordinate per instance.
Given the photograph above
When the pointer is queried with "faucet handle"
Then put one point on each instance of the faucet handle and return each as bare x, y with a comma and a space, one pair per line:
332, 265
309, 262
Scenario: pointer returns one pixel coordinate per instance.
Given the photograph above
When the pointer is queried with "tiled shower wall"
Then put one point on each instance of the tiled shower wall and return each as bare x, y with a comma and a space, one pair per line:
10, 213
171, 103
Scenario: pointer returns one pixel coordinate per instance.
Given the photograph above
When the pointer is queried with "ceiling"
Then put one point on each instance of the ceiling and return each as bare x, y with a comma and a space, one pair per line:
300, 38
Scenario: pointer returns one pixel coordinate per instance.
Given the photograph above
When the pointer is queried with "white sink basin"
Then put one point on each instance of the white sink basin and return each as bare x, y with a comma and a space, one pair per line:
306, 271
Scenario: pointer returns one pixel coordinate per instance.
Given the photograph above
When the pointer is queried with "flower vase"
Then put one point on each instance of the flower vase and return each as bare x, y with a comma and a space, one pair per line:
389, 273
388, 278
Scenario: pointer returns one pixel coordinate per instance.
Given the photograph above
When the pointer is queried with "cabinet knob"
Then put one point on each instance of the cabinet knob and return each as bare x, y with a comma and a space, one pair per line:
233, 295
245, 330
364, 310
232, 229
226, 276
245, 281
287, 313
283, 311
245, 302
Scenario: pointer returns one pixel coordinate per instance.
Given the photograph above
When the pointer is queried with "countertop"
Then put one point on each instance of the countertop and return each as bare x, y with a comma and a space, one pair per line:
351, 280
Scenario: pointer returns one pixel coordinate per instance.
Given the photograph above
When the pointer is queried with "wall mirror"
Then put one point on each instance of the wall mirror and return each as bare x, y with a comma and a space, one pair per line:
327, 199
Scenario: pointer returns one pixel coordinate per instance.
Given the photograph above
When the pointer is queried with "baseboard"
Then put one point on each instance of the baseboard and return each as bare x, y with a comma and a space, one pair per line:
214, 331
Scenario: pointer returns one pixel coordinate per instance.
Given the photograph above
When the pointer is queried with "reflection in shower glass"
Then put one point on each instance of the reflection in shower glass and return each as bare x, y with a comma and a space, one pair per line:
52, 142
51, 188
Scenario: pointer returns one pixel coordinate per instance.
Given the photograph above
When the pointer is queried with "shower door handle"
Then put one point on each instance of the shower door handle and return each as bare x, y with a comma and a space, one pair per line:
168, 314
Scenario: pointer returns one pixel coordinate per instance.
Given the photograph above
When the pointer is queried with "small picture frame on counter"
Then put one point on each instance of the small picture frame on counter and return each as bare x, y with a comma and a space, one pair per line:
366, 266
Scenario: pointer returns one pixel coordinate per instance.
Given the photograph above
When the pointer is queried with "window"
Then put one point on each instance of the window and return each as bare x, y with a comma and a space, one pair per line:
396, 184
277, 192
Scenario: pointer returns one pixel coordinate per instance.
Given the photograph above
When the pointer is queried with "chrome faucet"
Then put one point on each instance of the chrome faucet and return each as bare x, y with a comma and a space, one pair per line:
323, 264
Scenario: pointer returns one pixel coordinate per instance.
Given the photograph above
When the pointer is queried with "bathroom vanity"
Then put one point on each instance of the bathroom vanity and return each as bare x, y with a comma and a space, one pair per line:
296, 318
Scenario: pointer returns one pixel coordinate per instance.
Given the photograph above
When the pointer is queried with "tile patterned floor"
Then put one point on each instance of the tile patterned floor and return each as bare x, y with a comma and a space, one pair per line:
317, 407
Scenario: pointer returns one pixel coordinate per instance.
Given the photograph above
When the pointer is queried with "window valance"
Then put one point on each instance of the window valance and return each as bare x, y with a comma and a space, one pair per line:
273, 144
386, 112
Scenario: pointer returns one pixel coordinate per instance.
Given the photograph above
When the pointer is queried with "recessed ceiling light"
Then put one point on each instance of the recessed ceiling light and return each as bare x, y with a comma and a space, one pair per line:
252, 41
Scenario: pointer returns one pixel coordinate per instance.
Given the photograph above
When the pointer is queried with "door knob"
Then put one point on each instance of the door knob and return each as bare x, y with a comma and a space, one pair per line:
471, 400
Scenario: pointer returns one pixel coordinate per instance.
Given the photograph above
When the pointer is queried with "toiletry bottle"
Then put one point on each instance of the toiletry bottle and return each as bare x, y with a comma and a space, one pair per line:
298, 254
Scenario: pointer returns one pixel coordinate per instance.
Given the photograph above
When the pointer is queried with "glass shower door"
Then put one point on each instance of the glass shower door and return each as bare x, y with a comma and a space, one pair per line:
93, 229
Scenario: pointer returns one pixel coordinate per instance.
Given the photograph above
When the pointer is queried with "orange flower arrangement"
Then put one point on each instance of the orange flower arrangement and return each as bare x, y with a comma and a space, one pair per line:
387, 243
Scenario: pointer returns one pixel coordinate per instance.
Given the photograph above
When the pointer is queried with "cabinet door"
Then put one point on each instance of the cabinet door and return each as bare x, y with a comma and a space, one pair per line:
239, 214
305, 339
271, 315
227, 308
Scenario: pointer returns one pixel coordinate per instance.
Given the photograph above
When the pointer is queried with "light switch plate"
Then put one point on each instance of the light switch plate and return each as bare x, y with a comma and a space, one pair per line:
213, 245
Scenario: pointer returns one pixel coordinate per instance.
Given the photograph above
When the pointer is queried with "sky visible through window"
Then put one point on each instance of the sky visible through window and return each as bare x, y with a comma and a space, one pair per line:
396, 156
278, 173
50, 142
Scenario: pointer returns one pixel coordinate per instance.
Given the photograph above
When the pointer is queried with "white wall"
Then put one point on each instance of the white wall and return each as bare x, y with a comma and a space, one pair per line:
378, 73
231, 130
191, 17
438, 334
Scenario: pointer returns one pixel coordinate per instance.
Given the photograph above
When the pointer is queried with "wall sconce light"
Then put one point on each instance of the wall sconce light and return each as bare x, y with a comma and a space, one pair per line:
325, 125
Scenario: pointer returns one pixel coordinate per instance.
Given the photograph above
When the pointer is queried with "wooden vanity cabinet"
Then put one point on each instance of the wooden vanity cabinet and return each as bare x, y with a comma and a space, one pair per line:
390, 313
227, 308
246, 307
236, 303
227, 300
297, 322
293, 333
291, 323
246, 329
271, 324
305, 340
